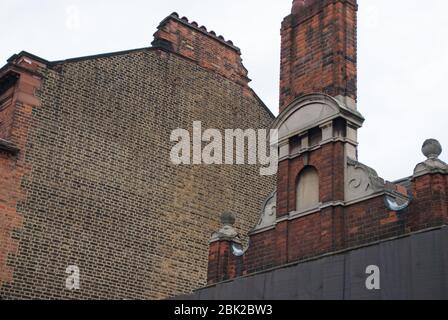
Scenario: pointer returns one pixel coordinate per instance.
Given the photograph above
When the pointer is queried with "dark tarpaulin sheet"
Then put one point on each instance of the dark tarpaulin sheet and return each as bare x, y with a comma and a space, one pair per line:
413, 267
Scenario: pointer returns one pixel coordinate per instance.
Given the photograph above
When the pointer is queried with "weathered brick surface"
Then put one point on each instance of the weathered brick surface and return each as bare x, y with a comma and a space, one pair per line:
9, 219
6, 112
341, 227
102, 193
328, 161
430, 194
337, 228
318, 52
371, 221
266, 258
201, 46
17, 94
319, 55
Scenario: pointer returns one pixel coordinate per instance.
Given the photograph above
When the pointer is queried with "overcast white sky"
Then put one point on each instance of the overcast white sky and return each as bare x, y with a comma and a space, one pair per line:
402, 56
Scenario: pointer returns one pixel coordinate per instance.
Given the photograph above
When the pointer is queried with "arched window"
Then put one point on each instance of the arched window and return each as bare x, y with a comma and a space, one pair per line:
307, 192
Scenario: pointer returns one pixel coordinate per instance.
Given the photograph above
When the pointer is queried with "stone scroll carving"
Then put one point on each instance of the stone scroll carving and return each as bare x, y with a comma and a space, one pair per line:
361, 181
268, 216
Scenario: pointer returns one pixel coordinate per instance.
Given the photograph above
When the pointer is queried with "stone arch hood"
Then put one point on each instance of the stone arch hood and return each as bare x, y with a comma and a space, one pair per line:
310, 111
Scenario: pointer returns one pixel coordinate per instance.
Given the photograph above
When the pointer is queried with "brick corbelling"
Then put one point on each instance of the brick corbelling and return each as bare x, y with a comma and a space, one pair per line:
205, 48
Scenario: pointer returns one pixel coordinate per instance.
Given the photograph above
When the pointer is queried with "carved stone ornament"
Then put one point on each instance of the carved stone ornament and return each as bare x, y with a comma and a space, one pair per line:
361, 181
310, 111
431, 149
268, 215
227, 231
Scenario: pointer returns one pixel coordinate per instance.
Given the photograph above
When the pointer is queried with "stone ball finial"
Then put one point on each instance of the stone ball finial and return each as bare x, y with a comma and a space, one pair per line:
228, 219
432, 149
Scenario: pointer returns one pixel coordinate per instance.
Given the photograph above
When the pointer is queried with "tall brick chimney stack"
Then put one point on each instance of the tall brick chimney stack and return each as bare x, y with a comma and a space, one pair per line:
318, 52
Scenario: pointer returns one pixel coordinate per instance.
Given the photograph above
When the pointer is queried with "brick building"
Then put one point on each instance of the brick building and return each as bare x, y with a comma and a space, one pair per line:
85, 171
86, 178
332, 220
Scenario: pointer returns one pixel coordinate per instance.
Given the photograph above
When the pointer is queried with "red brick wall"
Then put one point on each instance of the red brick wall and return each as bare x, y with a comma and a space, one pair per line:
10, 221
6, 112
370, 221
338, 226
329, 162
318, 51
15, 121
430, 207
205, 48
307, 236
219, 261
319, 55
269, 256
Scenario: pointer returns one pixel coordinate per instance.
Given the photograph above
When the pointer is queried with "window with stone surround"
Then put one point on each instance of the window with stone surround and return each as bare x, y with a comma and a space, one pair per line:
307, 191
